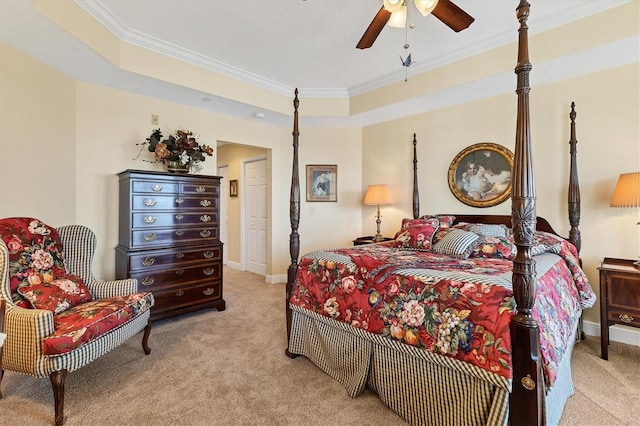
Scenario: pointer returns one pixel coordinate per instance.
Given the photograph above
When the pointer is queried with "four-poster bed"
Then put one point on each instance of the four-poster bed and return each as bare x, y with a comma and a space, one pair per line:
436, 358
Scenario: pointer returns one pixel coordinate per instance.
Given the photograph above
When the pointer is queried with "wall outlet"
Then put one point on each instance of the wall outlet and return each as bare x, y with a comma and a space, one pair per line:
155, 120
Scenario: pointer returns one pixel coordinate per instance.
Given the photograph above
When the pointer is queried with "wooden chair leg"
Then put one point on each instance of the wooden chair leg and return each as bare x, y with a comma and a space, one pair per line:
57, 382
1, 376
145, 338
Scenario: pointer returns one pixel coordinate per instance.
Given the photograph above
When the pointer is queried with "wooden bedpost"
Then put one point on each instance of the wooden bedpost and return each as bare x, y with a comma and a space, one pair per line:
574, 186
526, 405
416, 197
294, 217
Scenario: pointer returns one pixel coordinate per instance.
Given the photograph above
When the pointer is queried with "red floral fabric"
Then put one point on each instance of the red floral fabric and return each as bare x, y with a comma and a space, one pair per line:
84, 323
456, 308
58, 295
417, 234
35, 254
495, 248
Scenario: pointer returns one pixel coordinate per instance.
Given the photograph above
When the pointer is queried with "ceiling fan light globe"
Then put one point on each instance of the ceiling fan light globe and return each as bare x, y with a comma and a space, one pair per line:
425, 6
392, 5
398, 18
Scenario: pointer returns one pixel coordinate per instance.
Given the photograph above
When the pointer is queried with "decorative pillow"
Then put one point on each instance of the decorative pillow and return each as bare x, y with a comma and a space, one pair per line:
446, 221
494, 248
35, 253
57, 295
417, 234
487, 230
457, 243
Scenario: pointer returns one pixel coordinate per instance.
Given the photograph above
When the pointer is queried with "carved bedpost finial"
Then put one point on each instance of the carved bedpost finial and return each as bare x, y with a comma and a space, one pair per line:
526, 402
294, 217
574, 186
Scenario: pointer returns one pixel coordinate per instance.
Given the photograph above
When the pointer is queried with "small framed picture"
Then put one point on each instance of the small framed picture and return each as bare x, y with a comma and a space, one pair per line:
480, 175
233, 188
322, 182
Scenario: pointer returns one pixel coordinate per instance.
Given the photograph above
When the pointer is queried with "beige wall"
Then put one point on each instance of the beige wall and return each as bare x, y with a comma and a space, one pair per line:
37, 140
607, 132
62, 167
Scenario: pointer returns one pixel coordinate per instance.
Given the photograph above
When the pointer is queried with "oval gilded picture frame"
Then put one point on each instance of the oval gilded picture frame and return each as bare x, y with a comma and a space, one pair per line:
480, 175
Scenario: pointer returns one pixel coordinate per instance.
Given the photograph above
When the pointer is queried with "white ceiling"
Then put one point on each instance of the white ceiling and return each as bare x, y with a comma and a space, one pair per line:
277, 44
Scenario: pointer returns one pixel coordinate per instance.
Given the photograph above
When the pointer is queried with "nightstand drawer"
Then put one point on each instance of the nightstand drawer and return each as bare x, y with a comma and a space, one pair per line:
624, 317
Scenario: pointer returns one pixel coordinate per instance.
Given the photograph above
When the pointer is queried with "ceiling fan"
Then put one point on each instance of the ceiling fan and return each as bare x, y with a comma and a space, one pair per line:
394, 12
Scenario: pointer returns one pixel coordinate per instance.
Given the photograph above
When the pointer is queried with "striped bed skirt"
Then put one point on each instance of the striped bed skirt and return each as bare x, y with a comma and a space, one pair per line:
421, 387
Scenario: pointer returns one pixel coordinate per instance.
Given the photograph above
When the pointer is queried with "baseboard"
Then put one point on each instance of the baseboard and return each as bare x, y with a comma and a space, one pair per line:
269, 279
234, 265
276, 279
617, 333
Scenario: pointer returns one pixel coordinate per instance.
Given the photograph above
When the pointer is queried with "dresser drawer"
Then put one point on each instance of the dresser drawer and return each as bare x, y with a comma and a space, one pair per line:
200, 189
185, 296
161, 279
166, 258
155, 186
169, 236
151, 220
148, 202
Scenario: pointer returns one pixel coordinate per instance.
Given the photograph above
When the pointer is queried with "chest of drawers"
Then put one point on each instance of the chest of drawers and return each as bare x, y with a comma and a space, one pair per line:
169, 239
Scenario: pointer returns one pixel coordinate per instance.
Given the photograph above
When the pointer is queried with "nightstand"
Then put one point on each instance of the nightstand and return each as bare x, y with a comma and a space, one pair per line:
619, 297
368, 240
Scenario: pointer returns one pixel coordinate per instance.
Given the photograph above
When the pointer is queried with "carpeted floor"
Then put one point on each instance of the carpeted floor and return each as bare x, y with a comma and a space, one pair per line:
215, 368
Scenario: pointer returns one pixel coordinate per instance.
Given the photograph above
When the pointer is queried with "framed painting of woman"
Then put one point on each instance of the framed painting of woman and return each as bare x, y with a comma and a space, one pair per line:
480, 175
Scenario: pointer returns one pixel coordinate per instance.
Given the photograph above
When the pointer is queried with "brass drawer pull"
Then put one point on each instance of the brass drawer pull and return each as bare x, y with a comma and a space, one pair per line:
179, 255
179, 271
179, 200
179, 217
149, 220
206, 233
200, 189
205, 203
148, 280
149, 202
208, 291
205, 218
179, 232
148, 261
179, 293
209, 254
150, 237
209, 271
156, 188
626, 318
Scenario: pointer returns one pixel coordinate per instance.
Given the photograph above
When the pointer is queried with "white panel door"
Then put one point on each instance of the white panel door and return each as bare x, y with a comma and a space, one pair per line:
256, 218
224, 210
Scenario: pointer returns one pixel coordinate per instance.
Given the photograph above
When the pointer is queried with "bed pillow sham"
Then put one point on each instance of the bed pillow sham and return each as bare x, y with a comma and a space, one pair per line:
416, 234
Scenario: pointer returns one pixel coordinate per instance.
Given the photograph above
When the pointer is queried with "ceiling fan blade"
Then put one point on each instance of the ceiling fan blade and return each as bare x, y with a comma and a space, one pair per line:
372, 32
452, 16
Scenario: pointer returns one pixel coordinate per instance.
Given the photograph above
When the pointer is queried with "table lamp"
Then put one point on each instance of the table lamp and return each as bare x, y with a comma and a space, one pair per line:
627, 193
378, 195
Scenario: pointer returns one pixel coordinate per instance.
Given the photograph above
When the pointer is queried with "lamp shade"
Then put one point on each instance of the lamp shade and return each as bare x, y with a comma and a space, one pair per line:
627, 192
378, 194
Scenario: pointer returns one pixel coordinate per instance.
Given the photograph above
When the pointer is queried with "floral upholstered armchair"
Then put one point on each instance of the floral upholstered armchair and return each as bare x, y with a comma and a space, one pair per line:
58, 317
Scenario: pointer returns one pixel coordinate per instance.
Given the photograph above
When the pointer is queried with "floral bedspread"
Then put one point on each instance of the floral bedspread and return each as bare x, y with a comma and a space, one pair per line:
453, 307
